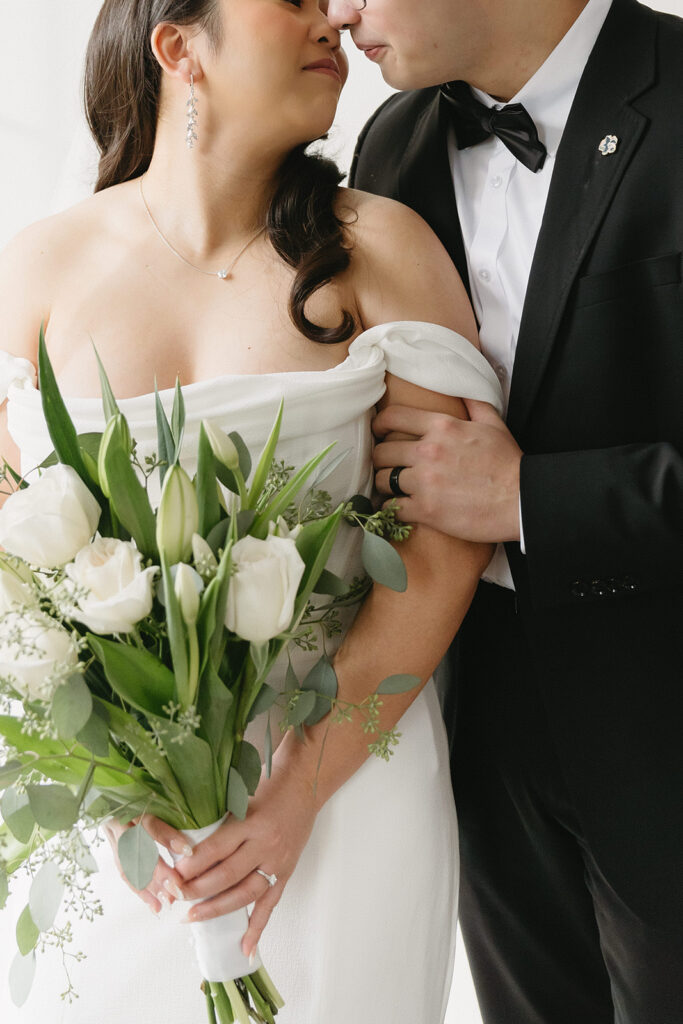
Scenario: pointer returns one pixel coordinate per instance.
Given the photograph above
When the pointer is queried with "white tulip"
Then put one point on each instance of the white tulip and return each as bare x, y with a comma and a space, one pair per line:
36, 653
47, 523
263, 587
119, 592
279, 528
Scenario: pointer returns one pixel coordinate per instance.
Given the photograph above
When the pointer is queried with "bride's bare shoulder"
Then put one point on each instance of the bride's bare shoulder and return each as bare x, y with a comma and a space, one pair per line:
34, 264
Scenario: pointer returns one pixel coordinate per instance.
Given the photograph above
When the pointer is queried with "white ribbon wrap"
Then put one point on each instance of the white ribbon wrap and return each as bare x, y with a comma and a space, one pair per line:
218, 942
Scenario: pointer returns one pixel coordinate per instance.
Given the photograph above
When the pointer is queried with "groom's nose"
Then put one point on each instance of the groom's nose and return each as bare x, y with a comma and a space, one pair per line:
342, 14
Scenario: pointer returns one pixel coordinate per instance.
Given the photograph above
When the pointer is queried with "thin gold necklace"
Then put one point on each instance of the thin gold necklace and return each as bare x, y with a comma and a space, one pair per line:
224, 274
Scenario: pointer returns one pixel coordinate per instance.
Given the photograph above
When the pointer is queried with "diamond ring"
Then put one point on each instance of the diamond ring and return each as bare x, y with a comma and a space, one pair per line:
270, 879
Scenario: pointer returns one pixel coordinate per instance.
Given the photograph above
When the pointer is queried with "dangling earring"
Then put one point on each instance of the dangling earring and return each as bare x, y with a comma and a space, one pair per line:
191, 136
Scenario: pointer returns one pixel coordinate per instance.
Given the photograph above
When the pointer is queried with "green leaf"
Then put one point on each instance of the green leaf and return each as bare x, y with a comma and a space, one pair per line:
383, 563
9, 773
88, 443
17, 814
398, 684
178, 418
265, 700
21, 975
249, 766
95, 733
330, 584
302, 709
314, 544
60, 427
53, 806
138, 856
322, 680
243, 452
4, 888
268, 749
207, 495
108, 401
177, 636
136, 675
266, 460
328, 470
259, 657
245, 521
165, 442
217, 537
45, 896
128, 496
286, 495
71, 706
27, 932
238, 795
191, 761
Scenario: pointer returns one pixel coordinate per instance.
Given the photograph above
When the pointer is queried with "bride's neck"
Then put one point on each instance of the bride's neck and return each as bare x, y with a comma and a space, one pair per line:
209, 202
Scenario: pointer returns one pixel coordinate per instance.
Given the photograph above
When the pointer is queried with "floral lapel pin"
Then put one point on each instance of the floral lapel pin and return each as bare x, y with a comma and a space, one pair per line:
608, 145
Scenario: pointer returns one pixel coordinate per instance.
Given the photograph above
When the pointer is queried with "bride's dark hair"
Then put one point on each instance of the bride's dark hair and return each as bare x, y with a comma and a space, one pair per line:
122, 93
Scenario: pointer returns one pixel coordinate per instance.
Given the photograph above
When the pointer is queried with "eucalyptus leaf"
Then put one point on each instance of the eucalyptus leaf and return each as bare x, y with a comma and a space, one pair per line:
322, 680
243, 453
302, 709
21, 976
95, 733
71, 706
265, 700
4, 888
245, 521
398, 684
138, 856
10, 771
28, 932
217, 537
249, 766
238, 795
383, 563
45, 896
17, 814
53, 806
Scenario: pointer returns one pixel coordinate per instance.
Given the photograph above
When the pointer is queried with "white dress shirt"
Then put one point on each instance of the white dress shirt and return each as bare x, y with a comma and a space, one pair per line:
501, 205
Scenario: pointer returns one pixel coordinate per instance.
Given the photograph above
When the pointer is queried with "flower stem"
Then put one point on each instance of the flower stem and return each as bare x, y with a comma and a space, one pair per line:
232, 993
210, 1009
222, 1004
265, 985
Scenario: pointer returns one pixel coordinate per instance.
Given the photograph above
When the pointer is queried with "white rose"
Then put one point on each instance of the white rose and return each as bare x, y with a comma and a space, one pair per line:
263, 587
36, 653
48, 522
13, 593
120, 591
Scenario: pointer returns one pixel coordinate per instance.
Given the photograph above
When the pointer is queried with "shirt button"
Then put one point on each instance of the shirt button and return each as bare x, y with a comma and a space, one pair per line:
496, 182
485, 275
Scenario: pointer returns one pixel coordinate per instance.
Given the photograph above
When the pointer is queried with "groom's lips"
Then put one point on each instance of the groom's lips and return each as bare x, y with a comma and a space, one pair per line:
372, 50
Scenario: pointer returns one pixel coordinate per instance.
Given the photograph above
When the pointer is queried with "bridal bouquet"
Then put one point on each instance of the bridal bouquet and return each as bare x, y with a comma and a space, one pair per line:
135, 648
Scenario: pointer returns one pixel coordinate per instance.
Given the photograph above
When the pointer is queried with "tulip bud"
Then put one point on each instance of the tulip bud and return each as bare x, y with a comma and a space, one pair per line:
187, 587
116, 432
178, 516
205, 561
222, 446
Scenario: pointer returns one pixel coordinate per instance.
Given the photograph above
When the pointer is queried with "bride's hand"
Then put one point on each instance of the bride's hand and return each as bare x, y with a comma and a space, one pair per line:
222, 870
164, 886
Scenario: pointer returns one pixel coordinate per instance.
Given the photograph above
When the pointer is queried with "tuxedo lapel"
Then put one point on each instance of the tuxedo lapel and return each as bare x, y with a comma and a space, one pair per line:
621, 67
426, 183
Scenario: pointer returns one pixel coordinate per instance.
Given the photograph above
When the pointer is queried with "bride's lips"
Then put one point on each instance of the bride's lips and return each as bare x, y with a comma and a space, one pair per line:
325, 67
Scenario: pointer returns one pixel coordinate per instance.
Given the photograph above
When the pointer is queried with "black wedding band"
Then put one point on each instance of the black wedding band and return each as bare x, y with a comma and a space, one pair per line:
394, 485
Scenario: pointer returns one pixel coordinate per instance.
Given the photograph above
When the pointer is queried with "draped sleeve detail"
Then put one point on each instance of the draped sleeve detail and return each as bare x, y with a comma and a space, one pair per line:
16, 372
432, 357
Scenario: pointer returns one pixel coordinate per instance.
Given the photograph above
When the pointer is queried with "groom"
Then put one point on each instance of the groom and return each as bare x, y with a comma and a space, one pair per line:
565, 218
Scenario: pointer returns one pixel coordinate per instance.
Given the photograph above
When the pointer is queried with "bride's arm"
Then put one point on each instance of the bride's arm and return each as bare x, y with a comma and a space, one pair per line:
402, 273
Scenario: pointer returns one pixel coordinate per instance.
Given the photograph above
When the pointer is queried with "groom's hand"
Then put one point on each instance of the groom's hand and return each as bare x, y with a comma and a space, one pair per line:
461, 477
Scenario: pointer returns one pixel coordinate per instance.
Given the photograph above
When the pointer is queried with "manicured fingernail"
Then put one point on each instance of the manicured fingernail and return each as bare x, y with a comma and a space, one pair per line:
152, 909
181, 848
174, 890
163, 899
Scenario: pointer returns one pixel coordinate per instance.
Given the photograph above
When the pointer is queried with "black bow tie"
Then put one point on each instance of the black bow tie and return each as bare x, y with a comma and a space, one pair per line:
474, 122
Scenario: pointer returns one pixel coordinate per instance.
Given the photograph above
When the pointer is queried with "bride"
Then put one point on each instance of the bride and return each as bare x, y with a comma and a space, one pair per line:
217, 249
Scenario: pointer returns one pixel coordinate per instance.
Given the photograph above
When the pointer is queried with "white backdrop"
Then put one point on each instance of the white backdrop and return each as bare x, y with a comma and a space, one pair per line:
46, 163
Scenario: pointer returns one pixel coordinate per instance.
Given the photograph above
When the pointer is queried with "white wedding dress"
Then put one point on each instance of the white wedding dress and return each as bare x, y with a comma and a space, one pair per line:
365, 931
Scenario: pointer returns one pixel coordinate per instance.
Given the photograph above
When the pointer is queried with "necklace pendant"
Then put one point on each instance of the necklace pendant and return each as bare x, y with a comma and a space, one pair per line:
223, 274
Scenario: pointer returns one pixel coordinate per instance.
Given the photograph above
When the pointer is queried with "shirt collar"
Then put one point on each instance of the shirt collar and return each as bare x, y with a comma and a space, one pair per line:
549, 93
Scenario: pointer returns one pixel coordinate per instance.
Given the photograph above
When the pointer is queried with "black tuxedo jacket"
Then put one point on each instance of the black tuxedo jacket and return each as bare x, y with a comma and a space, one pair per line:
596, 404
